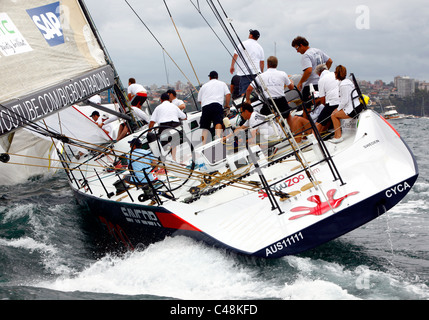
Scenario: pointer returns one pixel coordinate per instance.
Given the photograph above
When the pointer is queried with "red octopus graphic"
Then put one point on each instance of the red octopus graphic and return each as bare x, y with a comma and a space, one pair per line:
322, 207
262, 194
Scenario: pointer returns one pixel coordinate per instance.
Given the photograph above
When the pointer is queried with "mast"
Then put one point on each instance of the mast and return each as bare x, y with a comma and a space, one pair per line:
118, 87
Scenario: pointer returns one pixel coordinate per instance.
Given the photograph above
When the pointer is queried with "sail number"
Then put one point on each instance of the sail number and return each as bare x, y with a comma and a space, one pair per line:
287, 242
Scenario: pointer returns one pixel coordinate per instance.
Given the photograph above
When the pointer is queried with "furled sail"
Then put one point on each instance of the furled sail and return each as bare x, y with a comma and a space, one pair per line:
49, 58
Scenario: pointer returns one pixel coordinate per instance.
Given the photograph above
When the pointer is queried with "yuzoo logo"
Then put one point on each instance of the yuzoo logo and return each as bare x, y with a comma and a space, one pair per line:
47, 19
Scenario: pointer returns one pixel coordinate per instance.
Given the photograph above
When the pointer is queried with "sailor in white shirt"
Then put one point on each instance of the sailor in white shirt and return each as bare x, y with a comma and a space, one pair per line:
137, 94
166, 114
273, 82
213, 96
95, 115
254, 120
256, 64
346, 104
328, 96
109, 127
311, 58
95, 99
173, 99
258, 127
349, 107
137, 113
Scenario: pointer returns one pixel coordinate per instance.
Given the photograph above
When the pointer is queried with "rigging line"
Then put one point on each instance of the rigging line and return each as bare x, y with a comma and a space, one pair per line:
31, 125
231, 179
220, 40
225, 30
141, 20
52, 139
174, 167
165, 67
49, 166
230, 23
259, 78
286, 129
238, 38
231, 39
240, 52
222, 24
183, 45
171, 167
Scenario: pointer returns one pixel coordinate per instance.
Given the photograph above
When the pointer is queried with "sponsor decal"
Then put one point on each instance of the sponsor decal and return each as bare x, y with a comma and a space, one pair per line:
400, 188
140, 216
47, 18
321, 207
40, 104
262, 194
11, 40
373, 143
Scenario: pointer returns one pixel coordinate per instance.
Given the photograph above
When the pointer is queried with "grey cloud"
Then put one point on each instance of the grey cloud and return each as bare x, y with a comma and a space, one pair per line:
395, 44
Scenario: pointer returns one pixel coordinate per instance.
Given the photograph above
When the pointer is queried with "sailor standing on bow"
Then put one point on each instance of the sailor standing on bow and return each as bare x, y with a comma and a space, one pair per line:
254, 51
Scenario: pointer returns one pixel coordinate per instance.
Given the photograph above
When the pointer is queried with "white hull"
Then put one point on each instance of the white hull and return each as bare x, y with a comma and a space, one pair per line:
374, 163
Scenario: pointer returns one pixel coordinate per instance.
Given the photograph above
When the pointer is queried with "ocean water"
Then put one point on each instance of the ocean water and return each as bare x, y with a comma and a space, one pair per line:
48, 252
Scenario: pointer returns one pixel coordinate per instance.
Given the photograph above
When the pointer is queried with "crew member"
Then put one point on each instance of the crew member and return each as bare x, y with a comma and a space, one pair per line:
137, 94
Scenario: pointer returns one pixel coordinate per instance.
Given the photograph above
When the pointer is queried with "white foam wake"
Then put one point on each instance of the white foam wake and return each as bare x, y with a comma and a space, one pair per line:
181, 268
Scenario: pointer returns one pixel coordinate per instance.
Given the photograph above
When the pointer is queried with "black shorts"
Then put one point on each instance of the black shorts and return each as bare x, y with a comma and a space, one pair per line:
211, 113
356, 111
166, 125
245, 81
138, 100
281, 104
174, 137
306, 95
325, 116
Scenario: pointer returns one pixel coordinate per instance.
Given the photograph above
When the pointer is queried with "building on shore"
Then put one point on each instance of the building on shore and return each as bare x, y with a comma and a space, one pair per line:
406, 86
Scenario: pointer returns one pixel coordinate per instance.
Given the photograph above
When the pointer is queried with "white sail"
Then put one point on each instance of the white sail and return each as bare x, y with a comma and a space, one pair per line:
50, 59
57, 63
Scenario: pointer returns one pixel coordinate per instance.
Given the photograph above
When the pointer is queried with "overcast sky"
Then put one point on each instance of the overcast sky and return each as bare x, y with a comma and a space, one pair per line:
373, 39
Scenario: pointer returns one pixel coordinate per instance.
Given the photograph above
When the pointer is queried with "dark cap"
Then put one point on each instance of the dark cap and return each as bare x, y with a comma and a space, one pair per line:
213, 75
255, 34
165, 96
95, 113
135, 142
